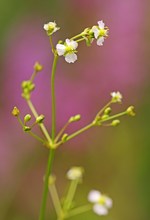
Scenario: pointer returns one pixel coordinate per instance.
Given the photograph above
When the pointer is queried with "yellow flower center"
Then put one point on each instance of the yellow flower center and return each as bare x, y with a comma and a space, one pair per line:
102, 200
103, 33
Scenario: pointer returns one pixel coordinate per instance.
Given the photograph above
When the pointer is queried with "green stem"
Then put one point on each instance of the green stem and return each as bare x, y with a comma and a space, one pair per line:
70, 194
20, 122
77, 36
52, 151
53, 97
45, 190
51, 43
101, 111
79, 210
55, 198
61, 131
33, 76
36, 137
80, 40
80, 131
42, 126
114, 116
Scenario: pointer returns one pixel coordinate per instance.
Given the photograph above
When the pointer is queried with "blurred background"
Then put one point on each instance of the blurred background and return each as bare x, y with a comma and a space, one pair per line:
116, 160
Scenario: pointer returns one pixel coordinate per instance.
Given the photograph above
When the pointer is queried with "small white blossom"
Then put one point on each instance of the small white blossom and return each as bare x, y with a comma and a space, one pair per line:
68, 49
75, 173
116, 97
50, 28
101, 202
100, 32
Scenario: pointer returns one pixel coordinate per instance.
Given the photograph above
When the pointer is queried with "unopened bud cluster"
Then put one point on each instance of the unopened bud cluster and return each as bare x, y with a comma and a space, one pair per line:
27, 87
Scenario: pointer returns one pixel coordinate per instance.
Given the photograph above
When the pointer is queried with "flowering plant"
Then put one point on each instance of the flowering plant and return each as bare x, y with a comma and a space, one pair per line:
68, 49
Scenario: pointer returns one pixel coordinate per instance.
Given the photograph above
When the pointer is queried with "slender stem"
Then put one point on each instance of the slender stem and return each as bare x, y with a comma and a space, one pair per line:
52, 151
79, 210
45, 190
80, 131
53, 96
101, 111
77, 36
33, 76
42, 126
55, 198
20, 122
70, 194
114, 116
80, 40
51, 43
61, 131
36, 137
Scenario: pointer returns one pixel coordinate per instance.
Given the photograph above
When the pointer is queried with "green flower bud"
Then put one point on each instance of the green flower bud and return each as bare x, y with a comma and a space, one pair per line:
38, 67
40, 119
107, 111
130, 111
27, 118
115, 122
104, 117
31, 87
26, 128
15, 112
75, 118
26, 96
24, 84
88, 40
64, 138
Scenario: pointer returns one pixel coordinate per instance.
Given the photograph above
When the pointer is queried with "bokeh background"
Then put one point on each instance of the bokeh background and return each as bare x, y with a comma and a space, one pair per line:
116, 160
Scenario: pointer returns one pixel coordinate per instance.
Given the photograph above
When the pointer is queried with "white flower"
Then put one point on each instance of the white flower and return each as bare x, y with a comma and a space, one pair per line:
75, 173
101, 202
68, 49
100, 32
50, 28
116, 97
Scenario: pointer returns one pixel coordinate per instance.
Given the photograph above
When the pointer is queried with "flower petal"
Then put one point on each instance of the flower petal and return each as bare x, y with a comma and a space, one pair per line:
108, 202
101, 24
95, 31
71, 57
100, 41
100, 209
94, 196
72, 43
61, 49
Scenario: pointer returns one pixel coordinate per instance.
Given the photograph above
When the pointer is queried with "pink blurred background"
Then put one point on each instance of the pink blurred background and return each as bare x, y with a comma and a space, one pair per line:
116, 160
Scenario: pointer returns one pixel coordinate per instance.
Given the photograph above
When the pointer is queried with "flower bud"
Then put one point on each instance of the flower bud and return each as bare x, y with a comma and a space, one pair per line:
27, 118
40, 119
75, 173
130, 111
64, 138
38, 67
107, 111
115, 122
75, 118
26, 128
104, 117
15, 112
